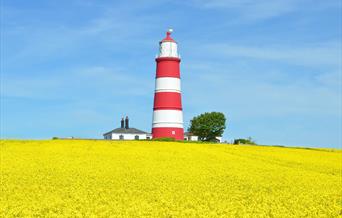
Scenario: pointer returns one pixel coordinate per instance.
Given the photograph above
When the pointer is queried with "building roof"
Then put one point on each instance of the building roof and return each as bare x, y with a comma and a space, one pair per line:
188, 134
126, 131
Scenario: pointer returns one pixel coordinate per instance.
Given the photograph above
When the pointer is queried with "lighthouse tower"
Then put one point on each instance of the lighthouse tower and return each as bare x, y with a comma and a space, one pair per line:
167, 108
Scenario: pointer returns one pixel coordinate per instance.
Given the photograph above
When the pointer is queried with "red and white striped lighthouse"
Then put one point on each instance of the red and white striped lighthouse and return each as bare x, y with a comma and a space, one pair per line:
167, 108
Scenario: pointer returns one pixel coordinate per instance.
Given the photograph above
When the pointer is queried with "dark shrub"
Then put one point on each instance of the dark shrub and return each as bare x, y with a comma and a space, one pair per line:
249, 141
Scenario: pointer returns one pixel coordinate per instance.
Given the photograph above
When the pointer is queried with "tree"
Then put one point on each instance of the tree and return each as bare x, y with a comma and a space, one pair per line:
208, 126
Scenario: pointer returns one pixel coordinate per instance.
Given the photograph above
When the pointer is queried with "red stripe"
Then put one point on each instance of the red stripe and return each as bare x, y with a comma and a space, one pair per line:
167, 59
168, 132
168, 67
167, 100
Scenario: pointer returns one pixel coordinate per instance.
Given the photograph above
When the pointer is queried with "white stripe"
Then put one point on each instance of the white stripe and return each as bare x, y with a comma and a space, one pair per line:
168, 84
168, 90
167, 118
168, 125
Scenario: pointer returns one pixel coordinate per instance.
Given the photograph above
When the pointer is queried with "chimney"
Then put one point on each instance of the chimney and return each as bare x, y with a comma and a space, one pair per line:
126, 123
122, 123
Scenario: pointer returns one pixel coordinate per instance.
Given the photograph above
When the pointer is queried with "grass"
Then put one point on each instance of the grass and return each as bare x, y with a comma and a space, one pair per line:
84, 178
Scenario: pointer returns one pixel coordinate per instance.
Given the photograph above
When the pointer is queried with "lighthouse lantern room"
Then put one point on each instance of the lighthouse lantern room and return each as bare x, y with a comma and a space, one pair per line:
167, 108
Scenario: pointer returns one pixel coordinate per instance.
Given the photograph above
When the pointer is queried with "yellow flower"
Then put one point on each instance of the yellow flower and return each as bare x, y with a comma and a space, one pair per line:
88, 178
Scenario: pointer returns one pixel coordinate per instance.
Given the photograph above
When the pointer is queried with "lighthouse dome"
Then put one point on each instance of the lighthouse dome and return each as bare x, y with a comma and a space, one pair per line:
168, 46
168, 37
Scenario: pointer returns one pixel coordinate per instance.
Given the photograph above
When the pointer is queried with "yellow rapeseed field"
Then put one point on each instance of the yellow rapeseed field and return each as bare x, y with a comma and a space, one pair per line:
89, 178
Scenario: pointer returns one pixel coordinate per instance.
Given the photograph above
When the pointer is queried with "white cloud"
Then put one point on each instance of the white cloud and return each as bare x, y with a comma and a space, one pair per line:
114, 27
258, 10
330, 79
328, 54
251, 9
258, 91
99, 82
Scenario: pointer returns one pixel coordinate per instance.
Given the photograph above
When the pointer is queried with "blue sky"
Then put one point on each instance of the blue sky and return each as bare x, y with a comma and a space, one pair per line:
74, 68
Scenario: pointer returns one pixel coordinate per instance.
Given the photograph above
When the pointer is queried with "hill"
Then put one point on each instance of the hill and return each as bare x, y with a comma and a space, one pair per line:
80, 178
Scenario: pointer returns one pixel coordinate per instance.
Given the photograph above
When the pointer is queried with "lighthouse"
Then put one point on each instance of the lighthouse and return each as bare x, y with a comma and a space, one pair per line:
167, 107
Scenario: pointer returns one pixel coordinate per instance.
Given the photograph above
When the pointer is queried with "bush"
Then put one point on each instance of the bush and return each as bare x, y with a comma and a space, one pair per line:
249, 141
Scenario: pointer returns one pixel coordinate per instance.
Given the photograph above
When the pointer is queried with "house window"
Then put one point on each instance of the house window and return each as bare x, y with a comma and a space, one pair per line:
148, 138
121, 137
136, 137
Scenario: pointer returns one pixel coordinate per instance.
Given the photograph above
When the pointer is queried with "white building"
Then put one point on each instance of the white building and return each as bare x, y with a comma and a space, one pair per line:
188, 136
126, 133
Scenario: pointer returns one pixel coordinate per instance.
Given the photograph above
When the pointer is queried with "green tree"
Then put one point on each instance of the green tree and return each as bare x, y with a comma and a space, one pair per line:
208, 126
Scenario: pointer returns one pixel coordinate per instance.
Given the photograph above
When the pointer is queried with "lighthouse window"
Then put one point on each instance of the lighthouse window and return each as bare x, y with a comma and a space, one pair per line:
136, 137
121, 137
173, 132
